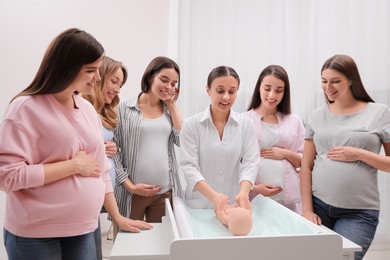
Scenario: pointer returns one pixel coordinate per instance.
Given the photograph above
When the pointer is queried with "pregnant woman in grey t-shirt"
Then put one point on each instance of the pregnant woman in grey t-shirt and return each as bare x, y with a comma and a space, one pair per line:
341, 155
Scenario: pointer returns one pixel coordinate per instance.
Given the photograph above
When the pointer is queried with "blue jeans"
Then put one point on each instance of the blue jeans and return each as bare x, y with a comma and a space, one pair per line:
98, 241
59, 248
358, 225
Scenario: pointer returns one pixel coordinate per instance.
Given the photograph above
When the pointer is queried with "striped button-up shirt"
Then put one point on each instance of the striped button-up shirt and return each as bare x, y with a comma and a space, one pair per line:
127, 138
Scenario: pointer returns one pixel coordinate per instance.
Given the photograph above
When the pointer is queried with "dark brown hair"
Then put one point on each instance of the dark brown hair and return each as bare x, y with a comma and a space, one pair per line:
62, 62
279, 72
222, 71
347, 66
155, 66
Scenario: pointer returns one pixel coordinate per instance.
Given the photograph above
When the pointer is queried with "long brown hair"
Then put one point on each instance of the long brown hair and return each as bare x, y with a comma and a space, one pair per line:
347, 66
62, 62
155, 66
279, 72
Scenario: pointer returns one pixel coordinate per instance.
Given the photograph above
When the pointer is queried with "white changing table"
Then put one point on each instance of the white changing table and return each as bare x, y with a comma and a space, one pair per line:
175, 239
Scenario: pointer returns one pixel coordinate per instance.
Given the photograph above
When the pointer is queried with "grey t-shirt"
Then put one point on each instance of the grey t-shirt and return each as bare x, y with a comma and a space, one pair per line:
351, 185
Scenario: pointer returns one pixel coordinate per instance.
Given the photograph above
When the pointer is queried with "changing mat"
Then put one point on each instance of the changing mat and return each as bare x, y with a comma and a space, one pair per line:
269, 219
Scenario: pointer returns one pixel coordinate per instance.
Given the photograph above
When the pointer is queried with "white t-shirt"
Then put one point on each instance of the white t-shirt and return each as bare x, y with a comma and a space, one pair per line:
271, 171
153, 164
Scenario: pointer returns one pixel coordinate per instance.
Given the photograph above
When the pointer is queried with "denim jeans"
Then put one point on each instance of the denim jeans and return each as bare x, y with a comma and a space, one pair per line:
59, 248
98, 242
357, 225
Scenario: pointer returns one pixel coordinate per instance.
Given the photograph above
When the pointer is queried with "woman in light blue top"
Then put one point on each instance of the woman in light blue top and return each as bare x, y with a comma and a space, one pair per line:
219, 152
105, 100
341, 157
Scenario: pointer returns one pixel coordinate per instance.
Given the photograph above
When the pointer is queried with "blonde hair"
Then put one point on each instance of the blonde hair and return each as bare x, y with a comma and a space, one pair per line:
107, 112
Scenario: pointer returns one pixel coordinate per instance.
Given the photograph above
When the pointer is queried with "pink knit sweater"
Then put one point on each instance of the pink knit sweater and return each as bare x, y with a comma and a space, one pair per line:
37, 130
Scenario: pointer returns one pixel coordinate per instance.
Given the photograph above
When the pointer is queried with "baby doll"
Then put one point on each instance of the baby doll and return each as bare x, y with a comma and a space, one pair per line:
238, 220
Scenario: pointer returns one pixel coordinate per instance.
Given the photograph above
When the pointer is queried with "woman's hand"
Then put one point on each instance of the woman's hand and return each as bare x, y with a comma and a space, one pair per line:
266, 190
81, 164
242, 199
171, 99
310, 215
110, 148
275, 153
344, 154
145, 190
132, 225
86, 165
218, 200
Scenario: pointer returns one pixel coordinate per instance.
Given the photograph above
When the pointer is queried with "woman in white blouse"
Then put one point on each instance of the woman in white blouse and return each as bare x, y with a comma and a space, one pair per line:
219, 152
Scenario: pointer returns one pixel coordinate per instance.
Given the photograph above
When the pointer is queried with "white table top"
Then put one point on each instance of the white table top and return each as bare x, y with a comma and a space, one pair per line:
147, 245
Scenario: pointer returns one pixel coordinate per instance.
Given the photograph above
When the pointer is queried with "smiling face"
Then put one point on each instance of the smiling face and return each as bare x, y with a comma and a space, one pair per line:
87, 78
112, 85
271, 92
335, 85
164, 84
223, 93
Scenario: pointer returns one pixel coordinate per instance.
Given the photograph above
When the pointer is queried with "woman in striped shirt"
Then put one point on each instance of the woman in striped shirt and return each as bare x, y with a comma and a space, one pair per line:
148, 128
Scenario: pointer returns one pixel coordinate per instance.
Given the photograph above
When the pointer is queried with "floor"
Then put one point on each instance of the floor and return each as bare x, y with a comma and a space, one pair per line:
107, 243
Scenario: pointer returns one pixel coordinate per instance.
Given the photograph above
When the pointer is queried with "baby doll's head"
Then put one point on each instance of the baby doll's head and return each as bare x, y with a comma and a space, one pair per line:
240, 221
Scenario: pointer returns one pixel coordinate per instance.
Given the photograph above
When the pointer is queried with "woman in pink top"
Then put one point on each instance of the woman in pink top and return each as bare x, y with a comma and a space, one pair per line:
53, 166
280, 136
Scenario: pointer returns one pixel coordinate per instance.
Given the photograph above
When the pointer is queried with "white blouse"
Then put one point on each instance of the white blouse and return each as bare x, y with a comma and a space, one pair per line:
223, 164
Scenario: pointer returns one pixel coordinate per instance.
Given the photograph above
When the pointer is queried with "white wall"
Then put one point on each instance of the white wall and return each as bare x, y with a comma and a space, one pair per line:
132, 31
299, 35
135, 31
